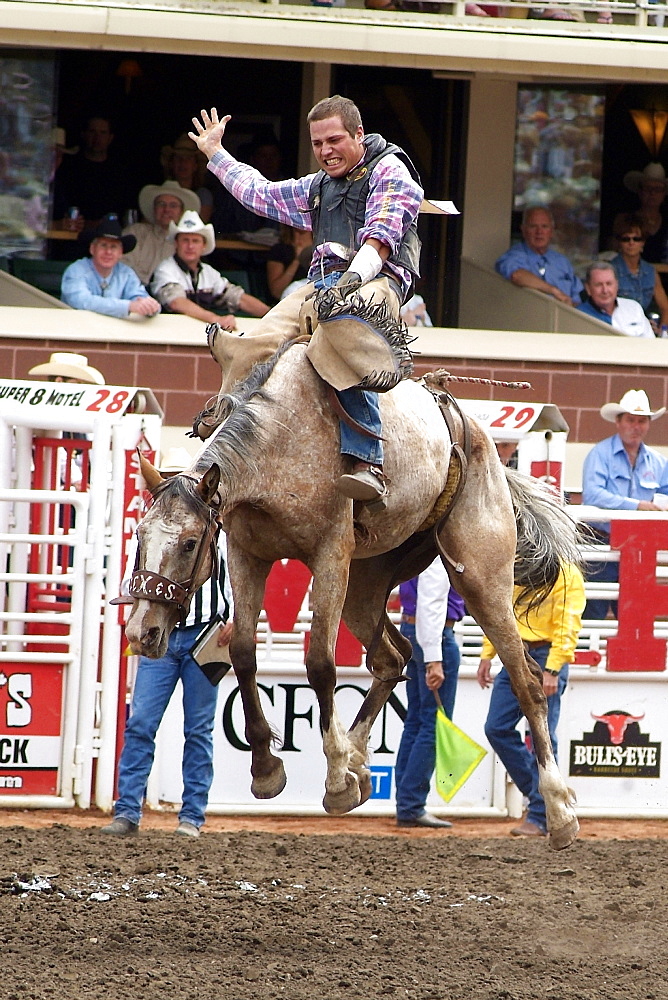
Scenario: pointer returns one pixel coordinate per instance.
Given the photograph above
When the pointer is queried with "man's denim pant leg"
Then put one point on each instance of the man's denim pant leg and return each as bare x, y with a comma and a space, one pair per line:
502, 718
417, 751
363, 407
154, 686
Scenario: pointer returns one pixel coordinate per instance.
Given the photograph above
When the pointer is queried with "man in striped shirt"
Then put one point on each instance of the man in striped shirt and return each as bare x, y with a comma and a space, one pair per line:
154, 685
362, 207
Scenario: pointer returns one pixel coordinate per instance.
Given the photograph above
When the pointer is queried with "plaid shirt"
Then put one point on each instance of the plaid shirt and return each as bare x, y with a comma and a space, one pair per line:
394, 201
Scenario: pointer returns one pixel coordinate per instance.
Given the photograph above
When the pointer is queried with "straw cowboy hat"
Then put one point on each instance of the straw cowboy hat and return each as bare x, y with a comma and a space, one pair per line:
150, 192
652, 172
69, 366
190, 222
175, 460
59, 139
634, 401
109, 228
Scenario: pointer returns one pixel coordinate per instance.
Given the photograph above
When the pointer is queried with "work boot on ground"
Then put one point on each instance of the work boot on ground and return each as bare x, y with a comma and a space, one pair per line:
121, 826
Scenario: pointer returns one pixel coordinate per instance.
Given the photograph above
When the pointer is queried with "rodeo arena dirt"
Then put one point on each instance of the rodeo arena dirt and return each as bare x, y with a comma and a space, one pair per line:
299, 904
260, 908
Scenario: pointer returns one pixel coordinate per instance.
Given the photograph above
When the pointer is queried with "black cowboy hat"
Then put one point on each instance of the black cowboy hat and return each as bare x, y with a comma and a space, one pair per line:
109, 228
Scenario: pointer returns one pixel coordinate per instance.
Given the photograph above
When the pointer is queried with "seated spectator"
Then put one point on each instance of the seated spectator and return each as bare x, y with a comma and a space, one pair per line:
183, 284
624, 315
284, 259
636, 277
91, 180
184, 164
159, 204
65, 367
101, 282
651, 185
414, 312
531, 263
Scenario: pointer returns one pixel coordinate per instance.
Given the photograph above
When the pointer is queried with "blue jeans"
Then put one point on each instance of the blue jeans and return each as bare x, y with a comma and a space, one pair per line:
601, 572
154, 686
502, 718
416, 758
362, 406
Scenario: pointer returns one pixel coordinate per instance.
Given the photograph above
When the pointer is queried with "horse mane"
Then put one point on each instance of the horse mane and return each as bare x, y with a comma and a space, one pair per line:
240, 435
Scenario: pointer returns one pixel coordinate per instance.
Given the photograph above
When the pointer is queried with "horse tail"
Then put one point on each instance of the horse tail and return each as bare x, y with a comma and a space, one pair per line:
547, 539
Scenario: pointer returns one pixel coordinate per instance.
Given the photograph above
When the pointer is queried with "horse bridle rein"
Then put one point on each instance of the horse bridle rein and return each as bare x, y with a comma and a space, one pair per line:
145, 585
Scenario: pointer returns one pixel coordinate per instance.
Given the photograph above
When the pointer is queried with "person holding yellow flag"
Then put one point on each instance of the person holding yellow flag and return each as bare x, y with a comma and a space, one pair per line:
550, 633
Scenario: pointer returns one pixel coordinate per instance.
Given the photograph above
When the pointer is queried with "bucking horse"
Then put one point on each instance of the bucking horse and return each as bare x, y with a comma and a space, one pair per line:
267, 476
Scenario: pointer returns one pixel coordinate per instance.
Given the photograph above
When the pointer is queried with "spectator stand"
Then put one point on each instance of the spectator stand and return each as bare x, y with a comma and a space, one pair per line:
69, 500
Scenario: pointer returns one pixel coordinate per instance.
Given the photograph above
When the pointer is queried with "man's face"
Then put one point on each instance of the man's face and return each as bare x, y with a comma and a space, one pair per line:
189, 247
106, 253
97, 136
651, 194
166, 209
631, 428
602, 289
336, 150
537, 231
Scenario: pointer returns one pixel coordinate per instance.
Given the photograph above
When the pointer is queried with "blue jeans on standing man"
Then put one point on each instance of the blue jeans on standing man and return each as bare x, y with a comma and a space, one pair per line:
154, 686
500, 729
416, 758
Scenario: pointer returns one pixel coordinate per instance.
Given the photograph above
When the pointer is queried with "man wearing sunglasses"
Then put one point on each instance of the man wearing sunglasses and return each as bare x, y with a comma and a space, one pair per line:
624, 315
532, 264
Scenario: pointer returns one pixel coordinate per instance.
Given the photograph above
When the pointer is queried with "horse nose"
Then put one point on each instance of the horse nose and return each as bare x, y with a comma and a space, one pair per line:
150, 637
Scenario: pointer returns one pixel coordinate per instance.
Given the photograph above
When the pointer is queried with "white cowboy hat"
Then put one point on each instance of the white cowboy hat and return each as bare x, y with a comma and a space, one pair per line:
175, 460
634, 401
190, 222
59, 139
652, 172
150, 192
69, 366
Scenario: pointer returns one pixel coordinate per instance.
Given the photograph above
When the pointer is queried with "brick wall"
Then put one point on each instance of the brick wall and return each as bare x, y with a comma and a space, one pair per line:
183, 378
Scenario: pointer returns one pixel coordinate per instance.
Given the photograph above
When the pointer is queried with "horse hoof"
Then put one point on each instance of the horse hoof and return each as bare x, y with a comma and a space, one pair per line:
270, 785
339, 803
564, 836
366, 787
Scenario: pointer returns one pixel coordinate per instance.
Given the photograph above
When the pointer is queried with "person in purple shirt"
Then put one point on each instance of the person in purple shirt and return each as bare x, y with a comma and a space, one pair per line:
361, 207
531, 263
430, 608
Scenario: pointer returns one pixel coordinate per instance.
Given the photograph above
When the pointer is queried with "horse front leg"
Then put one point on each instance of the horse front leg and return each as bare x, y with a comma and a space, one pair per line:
342, 786
248, 576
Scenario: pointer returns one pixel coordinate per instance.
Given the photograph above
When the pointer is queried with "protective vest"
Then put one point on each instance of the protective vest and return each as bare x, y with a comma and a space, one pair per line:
338, 205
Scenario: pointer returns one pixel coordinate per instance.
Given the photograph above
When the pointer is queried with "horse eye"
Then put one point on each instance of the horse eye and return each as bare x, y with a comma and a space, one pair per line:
189, 546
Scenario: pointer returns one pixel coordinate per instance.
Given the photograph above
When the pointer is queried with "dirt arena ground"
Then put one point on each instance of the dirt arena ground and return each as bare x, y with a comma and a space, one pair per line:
273, 907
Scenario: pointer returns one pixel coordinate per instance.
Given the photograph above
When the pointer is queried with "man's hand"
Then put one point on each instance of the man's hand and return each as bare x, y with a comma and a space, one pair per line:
209, 131
647, 505
225, 634
144, 306
434, 675
349, 281
485, 673
227, 322
560, 296
550, 683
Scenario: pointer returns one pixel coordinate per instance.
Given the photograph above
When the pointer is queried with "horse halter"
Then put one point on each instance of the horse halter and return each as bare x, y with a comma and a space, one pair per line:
145, 585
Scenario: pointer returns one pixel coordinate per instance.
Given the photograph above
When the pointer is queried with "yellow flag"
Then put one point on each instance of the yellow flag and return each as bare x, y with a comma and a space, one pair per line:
457, 756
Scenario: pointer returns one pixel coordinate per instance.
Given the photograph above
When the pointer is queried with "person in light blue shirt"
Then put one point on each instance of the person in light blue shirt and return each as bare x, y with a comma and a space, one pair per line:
531, 263
622, 473
101, 282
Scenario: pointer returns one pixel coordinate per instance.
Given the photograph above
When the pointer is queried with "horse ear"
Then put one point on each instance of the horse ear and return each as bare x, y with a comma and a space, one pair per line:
152, 477
208, 484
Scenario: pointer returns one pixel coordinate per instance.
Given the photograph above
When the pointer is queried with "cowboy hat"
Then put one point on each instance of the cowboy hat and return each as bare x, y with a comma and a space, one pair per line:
59, 139
184, 145
69, 366
191, 223
150, 192
652, 172
634, 401
175, 460
109, 228
358, 343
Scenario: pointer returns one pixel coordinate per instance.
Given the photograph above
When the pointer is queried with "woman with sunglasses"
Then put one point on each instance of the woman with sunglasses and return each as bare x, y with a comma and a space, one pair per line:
637, 278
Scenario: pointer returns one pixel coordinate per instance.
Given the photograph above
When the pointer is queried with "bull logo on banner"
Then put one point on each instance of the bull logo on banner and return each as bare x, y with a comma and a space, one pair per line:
615, 748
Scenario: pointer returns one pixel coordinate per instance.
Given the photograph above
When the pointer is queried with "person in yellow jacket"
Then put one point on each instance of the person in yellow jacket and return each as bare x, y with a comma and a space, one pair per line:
550, 633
